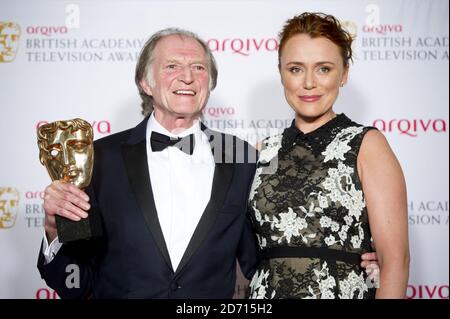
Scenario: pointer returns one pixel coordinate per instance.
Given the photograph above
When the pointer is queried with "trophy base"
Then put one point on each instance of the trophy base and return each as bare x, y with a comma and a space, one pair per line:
69, 230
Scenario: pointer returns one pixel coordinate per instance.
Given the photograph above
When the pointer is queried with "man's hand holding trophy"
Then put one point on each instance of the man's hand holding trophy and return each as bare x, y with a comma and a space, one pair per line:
66, 149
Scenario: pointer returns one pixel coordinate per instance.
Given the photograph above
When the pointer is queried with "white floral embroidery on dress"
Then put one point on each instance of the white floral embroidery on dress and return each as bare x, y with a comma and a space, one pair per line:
327, 222
323, 200
357, 239
353, 283
262, 241
341, 189
258, 215
326, 284
256, 183
290, 226
329, 208
270, 149
346, 194
339, 146
259, 284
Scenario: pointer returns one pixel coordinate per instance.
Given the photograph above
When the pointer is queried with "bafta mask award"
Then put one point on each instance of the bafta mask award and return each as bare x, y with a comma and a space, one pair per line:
66, 149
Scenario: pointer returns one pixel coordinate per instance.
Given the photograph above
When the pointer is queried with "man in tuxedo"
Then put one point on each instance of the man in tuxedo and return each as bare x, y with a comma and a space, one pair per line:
171, 192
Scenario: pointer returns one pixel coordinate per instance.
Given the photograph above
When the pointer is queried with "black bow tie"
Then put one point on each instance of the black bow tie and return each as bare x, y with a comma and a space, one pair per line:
160, 141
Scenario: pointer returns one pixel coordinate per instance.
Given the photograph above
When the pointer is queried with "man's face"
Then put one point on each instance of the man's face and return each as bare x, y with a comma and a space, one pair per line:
9, 207
178, 77
70, 156
9, 41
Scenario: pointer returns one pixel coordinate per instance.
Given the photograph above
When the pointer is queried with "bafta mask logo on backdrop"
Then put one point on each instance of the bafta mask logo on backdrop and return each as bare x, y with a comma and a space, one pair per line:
9, 206
9, 41
66, 149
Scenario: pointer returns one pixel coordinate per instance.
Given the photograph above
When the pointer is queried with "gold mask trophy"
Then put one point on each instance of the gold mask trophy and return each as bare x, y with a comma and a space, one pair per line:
66, 149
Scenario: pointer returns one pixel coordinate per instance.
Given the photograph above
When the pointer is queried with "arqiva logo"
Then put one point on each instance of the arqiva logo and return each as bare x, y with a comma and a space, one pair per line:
219, 111
383, 29
427, 292
411, 127
243, 47
72, 21
46, 294
47, 31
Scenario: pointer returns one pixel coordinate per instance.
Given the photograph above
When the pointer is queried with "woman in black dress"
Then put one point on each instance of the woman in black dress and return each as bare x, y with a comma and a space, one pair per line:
327, 186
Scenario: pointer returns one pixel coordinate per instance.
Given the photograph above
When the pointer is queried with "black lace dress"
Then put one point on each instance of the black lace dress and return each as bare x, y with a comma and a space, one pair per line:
309, 214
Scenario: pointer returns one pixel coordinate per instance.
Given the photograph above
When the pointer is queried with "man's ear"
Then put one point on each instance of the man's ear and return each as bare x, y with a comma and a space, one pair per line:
144, 85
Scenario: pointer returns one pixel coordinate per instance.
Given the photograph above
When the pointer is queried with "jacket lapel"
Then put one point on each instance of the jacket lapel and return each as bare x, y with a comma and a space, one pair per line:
135, 157
223, 175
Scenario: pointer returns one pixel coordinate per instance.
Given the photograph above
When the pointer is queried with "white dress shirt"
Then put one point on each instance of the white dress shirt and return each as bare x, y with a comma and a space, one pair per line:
51, 250
181, 185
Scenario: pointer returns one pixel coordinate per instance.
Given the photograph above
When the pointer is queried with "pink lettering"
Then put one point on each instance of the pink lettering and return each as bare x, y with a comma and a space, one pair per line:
43, 292
48, 31
238, 48
443, 292
435, 291
274, 46
404, 126
439, 126
383, 29
104, 127
215, 46
33, 195
258, 45
381, 127
243, 46
411, 127
430, 293
425, 125
224, 43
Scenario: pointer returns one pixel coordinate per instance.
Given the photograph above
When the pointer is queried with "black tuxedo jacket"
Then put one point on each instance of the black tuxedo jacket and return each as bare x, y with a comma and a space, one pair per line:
131, 259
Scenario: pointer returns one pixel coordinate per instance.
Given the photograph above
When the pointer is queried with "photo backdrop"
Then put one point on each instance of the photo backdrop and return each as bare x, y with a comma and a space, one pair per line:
66, 59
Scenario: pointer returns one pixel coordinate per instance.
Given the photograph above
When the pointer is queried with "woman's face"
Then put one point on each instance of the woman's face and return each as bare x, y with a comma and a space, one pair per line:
312, 70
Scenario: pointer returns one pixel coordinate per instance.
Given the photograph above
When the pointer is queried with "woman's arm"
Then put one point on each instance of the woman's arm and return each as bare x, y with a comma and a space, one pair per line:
385, 193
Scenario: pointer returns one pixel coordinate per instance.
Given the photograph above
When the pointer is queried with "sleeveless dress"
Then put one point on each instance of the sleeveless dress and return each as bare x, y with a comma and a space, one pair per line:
309, 214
